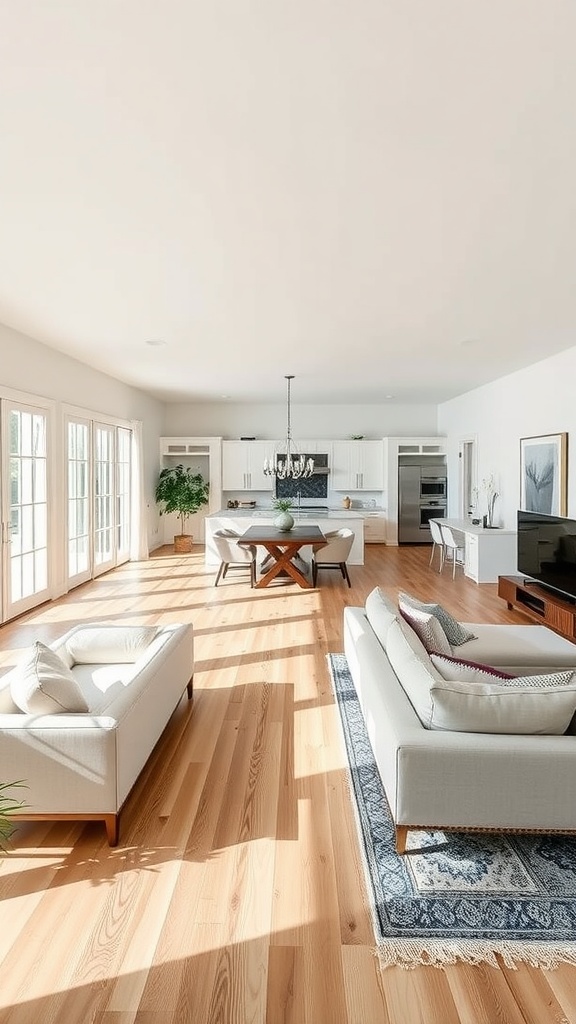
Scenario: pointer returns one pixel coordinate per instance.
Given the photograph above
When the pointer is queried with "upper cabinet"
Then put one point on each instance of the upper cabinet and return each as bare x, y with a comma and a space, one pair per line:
243, 465
418, 445
357, 466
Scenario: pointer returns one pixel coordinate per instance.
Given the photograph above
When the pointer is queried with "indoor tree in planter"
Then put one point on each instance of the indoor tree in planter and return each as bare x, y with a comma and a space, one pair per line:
181, 491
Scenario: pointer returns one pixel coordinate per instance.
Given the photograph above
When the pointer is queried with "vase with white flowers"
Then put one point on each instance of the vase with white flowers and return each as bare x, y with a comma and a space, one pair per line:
489, 488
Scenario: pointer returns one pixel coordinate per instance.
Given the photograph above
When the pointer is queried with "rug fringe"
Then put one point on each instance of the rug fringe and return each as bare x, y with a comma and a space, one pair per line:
410, 953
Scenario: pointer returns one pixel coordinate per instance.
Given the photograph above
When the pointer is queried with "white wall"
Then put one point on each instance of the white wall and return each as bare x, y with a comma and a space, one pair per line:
35, 369
232, 420
540, 399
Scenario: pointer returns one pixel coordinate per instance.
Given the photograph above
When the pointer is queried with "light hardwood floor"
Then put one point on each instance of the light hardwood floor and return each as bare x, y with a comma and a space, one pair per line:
236, 894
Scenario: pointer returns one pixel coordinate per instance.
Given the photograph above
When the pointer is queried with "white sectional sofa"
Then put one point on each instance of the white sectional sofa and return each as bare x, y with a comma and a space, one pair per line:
462, 780
83, 764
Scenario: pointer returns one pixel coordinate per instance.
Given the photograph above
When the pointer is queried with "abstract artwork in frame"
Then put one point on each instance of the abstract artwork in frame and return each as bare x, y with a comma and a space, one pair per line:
544, 474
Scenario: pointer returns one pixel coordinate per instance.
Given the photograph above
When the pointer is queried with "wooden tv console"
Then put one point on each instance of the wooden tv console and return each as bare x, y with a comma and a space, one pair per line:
539, 604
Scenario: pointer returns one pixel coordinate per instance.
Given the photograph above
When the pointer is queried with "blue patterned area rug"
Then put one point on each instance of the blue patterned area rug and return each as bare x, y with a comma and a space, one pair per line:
456, 896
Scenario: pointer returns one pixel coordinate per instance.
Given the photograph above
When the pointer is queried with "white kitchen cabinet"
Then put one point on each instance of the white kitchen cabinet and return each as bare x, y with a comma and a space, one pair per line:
375, 528
357, 466
243, 465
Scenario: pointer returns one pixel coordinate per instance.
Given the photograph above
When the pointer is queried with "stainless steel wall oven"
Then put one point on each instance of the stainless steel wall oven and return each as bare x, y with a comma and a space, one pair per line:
422, 496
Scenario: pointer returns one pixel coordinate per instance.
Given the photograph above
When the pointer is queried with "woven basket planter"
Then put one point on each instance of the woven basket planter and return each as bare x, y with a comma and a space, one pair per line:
183, 543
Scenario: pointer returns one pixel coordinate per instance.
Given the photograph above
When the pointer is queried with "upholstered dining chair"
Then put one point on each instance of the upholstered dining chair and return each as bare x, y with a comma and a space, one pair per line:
333, 555
453, 549
437, 542
233, 555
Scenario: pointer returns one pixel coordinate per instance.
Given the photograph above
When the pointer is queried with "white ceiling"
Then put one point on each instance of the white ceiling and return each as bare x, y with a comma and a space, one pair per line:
377, 196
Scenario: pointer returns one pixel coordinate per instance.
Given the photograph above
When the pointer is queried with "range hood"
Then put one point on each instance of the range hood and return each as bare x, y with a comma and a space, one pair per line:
320, 464
314, 486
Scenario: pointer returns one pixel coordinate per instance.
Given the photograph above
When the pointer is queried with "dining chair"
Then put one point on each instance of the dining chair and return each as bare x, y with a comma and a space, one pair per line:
437, 542
453, 549
333, 555
233, 555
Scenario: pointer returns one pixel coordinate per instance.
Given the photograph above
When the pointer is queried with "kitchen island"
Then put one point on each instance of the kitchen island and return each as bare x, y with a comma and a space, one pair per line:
239, 519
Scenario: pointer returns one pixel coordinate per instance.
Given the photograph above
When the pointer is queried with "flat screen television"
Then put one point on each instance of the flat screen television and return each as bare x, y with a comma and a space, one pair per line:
547, 551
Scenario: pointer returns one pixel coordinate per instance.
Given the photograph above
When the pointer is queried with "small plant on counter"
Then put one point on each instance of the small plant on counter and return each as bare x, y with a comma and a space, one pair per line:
282, 504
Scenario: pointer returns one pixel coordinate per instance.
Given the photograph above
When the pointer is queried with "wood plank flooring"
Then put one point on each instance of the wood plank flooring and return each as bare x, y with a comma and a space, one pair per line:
236, 895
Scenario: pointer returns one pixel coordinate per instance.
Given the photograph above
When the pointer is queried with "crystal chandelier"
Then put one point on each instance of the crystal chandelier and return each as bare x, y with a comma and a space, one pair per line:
287, 464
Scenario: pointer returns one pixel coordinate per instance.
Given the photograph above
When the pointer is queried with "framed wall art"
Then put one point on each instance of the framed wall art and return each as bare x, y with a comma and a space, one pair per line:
544, 474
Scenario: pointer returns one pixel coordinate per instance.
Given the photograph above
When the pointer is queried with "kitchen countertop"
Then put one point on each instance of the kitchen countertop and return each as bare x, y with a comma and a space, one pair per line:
263, 513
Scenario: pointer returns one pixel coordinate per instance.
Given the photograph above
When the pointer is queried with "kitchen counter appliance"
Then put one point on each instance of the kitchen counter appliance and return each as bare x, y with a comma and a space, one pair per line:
422, 496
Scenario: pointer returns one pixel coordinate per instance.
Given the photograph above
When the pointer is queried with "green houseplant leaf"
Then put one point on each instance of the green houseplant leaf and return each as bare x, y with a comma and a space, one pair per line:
181, 491
8, 806
283, 504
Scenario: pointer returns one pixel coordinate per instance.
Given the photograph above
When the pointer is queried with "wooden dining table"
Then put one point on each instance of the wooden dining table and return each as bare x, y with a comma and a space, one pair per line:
282, 547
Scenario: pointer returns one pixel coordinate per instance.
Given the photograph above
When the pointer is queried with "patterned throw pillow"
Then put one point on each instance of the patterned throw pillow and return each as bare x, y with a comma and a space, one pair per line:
428, 629
457, 633
534, 705
466, 671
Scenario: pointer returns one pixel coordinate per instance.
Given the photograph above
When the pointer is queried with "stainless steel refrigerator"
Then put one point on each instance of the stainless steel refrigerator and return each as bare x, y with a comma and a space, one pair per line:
416, 505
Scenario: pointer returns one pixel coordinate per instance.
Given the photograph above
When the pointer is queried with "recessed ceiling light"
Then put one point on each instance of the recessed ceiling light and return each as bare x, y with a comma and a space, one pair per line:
388, 396
156, 342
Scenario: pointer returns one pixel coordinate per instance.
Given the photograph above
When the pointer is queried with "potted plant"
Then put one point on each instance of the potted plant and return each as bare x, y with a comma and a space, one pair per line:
284, 520
7, 808
181, 491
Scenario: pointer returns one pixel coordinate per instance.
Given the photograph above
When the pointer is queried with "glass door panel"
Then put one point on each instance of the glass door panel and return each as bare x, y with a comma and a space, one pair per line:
79, 548
104, 476
123, 491
25, 509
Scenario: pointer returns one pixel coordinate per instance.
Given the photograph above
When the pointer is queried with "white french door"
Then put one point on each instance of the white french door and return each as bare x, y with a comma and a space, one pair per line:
123, 493
104, 472
99, 490
78, 498
25, 508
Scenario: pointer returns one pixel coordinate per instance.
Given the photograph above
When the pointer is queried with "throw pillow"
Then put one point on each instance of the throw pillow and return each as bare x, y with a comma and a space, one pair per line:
100, 645
456, 632
527, 704
428, 629
466, 671
413, 667
44, 685
380, 613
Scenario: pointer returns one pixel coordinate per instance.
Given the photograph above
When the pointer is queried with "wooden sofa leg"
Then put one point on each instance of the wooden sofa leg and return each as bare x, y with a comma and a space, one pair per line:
401, 838
190, 687
112, 822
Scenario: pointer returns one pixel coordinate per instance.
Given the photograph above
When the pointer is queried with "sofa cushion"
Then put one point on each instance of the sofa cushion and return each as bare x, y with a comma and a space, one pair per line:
102, 644
466, 671
43, 685
427, 627
528, 704
380, 613
455, 631
413, 667
519, 645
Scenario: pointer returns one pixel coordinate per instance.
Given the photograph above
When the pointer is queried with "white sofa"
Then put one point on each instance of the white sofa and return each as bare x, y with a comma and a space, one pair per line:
436, 778
83, 765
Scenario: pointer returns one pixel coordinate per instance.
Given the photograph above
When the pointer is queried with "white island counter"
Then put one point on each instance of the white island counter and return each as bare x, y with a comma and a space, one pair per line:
240, 519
